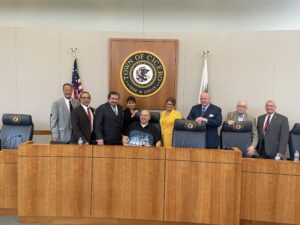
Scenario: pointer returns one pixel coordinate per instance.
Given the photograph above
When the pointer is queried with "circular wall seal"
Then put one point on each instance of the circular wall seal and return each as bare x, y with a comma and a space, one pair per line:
143, 73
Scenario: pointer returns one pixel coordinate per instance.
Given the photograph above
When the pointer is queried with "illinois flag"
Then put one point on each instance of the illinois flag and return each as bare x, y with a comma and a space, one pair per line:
204, 78
77, 88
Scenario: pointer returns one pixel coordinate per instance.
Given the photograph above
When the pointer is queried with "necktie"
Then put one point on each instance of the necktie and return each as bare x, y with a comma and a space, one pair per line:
115, 110
90, 119
202, 111
71, 107
267, 124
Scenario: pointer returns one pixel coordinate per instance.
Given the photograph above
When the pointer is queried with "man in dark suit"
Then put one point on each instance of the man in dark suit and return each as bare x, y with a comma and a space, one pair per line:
205, 112
108, 121
82, 118
273, 132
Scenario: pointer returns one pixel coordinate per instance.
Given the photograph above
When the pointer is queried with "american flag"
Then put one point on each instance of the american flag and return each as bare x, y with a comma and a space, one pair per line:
76, 81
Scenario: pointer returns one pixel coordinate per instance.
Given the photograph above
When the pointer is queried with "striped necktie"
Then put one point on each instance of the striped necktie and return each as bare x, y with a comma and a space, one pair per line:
202, 111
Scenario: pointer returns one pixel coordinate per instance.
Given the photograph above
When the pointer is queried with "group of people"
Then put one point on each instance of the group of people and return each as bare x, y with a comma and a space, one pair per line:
109, 124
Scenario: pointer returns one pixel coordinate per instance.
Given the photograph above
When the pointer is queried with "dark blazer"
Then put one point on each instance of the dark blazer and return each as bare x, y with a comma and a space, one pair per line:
213, 114
108, 126
127, 119
276, 137
80, 125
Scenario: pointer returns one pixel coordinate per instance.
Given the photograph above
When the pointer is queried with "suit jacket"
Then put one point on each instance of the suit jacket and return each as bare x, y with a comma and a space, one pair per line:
213, 114
247, 117
108, 126
60, 119
277, 136
127, 119
80, 125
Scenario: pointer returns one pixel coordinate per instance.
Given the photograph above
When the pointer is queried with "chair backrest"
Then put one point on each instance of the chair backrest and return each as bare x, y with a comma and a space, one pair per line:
294, 140
155, 117
17, 128
237, 135
189, 134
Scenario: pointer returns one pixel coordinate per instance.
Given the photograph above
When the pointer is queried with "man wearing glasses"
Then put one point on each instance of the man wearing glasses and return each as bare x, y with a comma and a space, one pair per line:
82, 119
241, 115
273, 132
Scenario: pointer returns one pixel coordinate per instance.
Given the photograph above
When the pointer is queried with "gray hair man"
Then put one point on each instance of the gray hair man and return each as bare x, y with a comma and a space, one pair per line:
241, 115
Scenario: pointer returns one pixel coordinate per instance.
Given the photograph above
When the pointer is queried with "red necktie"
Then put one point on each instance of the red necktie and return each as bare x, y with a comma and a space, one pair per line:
90, 118
267, 124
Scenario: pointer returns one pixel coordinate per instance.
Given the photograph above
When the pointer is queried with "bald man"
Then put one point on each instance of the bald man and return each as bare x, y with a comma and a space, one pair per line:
273, 132
205, 112
241, 115
142, 133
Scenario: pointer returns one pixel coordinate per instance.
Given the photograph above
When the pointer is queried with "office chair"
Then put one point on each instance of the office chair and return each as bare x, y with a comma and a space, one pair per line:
294, 140
189, 134
237, 135
17, 128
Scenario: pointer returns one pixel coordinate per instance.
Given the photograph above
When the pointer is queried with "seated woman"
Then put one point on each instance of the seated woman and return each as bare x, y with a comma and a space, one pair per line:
167, 120
129, 112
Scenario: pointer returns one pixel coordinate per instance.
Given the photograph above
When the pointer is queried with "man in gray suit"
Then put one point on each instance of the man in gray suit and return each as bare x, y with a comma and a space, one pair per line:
60, 120
241, 115
273, 131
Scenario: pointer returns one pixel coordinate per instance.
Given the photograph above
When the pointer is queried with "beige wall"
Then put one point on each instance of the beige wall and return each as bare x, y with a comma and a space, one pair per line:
153, 15
255, 66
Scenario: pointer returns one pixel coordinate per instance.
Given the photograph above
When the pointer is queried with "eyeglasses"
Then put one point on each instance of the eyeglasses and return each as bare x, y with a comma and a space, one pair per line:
85, 97
242, 106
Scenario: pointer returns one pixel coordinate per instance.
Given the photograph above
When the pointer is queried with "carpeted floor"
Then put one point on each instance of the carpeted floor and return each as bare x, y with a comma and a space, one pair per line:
10, 220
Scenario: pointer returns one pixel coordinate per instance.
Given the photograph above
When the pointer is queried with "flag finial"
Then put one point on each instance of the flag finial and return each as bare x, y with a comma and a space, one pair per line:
205, 53
74, 51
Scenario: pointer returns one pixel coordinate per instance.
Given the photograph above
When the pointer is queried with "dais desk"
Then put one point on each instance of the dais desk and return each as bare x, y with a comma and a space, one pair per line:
270, 192
117, 184
8, 182
71, 184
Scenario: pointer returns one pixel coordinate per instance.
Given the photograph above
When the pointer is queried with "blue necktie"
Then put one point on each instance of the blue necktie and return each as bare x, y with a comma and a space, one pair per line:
203, 111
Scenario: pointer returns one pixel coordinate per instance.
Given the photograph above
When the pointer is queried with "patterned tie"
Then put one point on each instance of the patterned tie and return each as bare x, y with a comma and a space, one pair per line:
71, 107
267, 124
90, 118
115, 110
203, 111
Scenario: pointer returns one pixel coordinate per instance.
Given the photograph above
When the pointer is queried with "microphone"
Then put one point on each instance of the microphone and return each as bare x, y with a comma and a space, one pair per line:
8, 141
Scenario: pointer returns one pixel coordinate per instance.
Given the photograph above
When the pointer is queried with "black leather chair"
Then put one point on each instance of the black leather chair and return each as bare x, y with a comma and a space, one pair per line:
189, 134
155, 117
17, 128
237, 135
294, 140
